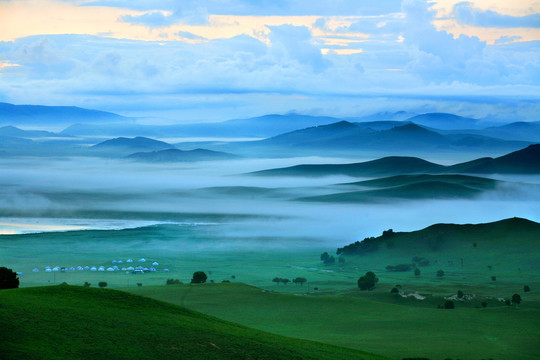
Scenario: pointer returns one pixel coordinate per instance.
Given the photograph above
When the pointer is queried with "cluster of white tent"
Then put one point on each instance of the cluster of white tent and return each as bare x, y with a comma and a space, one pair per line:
134, 270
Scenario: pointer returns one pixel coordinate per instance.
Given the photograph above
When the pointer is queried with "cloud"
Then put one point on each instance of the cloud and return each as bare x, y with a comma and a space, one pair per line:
180, 14
296, 43
466, 13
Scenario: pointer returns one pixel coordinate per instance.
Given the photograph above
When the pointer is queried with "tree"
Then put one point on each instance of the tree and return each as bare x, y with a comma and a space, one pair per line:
102, 284
440, 273
285, 281
460, 294
8, 279
416, 272
199, 277
516, 299
327, 259
526, 288
394, 290
368, 281
299, 280
276, 280
87, 284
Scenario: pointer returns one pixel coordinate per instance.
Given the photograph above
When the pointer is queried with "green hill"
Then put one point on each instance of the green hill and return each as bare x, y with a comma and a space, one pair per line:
67, 322
510, 233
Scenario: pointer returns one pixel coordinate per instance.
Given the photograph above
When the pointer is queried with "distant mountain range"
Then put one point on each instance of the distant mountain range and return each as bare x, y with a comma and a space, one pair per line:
16, 132
384, 133
175, 155
47, 115
344, 135
525, 161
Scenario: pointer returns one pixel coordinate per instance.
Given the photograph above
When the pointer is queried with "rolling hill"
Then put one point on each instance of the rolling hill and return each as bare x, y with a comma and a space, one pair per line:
412, 187
524, 161
124, 146
175, 155
71, 322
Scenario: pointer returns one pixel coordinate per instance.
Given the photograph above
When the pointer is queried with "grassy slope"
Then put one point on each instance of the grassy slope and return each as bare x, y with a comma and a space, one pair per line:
395, 329
65, 322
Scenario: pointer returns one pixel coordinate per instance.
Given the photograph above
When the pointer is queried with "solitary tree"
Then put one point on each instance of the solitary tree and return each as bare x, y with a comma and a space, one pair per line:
276, 280
299, 280
368, 281
516, 299
285, 281
102, 284
199, 277
8, 279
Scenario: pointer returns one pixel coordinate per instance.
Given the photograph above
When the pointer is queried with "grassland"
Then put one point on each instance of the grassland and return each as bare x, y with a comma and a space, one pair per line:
337, 312
375, 321
68, 322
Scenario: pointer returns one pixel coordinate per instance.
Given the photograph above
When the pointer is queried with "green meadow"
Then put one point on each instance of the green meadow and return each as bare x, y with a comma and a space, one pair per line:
488, 263
71, 322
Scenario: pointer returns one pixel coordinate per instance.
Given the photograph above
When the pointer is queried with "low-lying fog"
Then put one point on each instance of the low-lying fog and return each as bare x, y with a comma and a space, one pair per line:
36, 188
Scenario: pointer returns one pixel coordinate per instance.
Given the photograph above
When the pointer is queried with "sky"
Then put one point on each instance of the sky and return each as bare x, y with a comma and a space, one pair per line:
197, 60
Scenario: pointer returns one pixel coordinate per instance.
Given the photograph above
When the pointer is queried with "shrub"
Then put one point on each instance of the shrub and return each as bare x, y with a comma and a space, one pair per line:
399, 267
87, 284
394, 290
64, 283
440, 273
516, 299
225, 281
526, 288
484, 304
449, 304
368, 281
173, 282
199, 277
508, 302
102, 284
417, 272
420, 261
493, 278
460, 294
139, 284
8, 279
